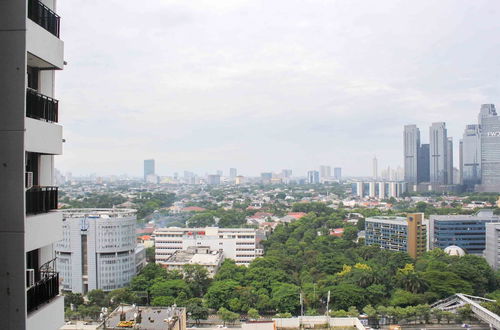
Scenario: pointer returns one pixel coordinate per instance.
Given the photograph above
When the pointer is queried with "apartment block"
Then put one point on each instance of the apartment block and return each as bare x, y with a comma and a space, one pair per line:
240, 244
398, 233
30, 138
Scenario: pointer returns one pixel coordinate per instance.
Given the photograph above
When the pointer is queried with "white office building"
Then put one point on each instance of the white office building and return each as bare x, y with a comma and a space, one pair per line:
492, 250
240, 244
30, 137
98, 249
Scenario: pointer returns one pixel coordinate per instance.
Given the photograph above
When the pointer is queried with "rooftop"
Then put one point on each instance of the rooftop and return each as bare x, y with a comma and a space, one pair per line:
98, 213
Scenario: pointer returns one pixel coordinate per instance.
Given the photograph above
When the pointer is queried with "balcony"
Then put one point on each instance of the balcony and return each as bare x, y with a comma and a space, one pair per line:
44, 16
41, 199
39, 106
45, 289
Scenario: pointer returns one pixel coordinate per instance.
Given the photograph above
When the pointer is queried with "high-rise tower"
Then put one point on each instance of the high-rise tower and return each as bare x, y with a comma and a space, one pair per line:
470, 155
30, 137
438, 148
489, 124
411, 145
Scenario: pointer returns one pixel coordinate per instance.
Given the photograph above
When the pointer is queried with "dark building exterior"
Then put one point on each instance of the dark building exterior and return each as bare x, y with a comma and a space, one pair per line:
423, 169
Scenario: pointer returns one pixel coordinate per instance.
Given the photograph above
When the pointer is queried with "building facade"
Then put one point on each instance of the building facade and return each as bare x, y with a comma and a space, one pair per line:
31, 137
240, 244
379, 189
149, 168
337, 173
325, 172
313, 177
233, 173
465, 231
423, 164
492, 248
470, 157
209, 259
98, 249
398, 233
489, 123
411, 138
438, 147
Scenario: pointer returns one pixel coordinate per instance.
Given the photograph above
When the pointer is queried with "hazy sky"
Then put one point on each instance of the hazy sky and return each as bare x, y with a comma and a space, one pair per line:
266, 85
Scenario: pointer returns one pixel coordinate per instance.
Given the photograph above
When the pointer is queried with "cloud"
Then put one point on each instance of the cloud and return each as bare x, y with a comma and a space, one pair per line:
265, 85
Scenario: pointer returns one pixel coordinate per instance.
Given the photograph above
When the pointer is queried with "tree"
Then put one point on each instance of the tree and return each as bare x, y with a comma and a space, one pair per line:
353, 311
227, 316
98, 297
150, 254
438, 314
196, 277
219, 293
370, 311
171, 288
73, 298
123, 295
253, 314
163, 301
197, 310
285, 297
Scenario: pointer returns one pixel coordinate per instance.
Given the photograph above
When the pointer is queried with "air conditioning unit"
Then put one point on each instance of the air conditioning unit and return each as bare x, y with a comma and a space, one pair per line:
29, 180
30, 277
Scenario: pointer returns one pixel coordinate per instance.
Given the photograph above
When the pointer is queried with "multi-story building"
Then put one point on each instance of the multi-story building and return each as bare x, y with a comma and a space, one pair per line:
489, 124
149, 168
325, 172
240, 244
337, 173
30, 137
449, 161
411, 137
438, 148
423, 163
266, 177
375, 168
470, 157
211, 260
381, 190
465, 231
213, 179
98, 249
233, 173
398, 233
492, 245
313, 177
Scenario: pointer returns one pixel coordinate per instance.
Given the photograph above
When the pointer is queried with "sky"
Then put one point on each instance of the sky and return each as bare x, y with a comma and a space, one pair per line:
267, 85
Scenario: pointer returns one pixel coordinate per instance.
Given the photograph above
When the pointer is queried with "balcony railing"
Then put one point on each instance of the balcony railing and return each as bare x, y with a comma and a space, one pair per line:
41, 199
45, 289
44, 16
39, 106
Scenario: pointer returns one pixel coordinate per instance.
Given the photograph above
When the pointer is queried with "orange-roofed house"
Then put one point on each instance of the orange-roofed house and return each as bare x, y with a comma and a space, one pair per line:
337, 232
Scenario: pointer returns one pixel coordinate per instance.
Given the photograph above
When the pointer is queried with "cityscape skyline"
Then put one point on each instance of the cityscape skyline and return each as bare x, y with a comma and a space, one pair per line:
264, 100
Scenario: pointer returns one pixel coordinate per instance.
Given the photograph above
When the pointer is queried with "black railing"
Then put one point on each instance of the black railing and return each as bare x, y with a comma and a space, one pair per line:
41, 199
45, 289
44, 16
39, 106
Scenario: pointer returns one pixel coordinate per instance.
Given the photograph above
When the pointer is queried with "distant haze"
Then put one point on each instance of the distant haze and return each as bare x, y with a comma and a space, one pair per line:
266, 85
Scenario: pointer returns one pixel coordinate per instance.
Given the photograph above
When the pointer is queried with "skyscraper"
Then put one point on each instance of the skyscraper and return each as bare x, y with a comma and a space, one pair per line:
149, 168
313, 177
325, 172
411, 137
470, 154
489, 124
30, 138
449, 161
233, 173
337, 173
423, 174
438, 148
375, 168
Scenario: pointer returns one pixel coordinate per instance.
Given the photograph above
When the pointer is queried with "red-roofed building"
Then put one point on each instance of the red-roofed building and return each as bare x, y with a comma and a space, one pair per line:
297, 215
193, 209
337, 232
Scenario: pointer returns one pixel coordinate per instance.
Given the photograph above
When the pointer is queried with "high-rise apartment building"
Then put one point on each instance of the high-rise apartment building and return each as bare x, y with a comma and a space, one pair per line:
423, 165
30, 137
286, 174
313, 177
449, 161
375, 168
411, 137
266, 177
492, 245
233, 173
240, 244
325, 172
438, 148
337, 173
149, 168
489, 124
213, 179
465, 231
98, 249
398, 233
470, 157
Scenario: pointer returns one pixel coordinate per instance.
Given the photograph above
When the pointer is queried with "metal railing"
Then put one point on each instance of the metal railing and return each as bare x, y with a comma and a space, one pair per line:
39, 106
41, 199
45, 289
44, 16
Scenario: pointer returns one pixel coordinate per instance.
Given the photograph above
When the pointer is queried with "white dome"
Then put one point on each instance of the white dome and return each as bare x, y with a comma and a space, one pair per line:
454, 250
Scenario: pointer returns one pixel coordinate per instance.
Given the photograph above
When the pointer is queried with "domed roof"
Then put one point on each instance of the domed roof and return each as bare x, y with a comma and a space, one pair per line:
454, 250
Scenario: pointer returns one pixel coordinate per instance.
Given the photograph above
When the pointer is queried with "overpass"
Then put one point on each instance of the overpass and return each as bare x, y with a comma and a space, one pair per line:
481, 313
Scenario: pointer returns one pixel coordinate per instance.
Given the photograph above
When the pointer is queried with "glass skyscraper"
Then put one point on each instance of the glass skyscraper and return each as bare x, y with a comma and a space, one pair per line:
411, 145
489, 125
438, 153
471, 157
149, 168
